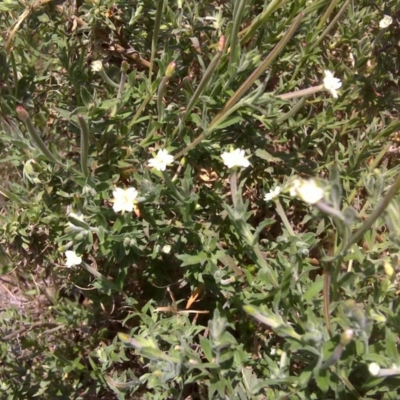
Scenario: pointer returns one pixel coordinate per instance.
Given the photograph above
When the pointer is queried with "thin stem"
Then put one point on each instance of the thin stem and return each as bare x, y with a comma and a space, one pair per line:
377, 160
260, 20
237, 19
206, 132
301, 93
36, 139
160, 95
156, 31
206, 77
333, 22
172, 187
282, 214
260, 70
263, 265
233, 182
327, 13
140, 109
293, 111
107, 79
375, 214
121, 85
84, 145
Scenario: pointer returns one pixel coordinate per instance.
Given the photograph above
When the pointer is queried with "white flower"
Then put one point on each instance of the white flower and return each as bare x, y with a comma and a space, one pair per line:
166, 249
235, 158
385, 22
124, 199
374, 369
72, 259
331, 84
97, 66
161, 160
307, 190
272, 194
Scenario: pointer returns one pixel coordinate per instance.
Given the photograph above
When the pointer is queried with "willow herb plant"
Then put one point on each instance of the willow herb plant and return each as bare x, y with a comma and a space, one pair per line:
199, 200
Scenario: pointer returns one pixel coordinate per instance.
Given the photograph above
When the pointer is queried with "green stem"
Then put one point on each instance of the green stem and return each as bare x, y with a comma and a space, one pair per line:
308, 50
107, 79
327, 13
121, 85
206, 132
375, 214
261, 19
377, 160
237, 20
36, 139
206, 78
293, 111
156, 31
84, 145
140, 109
233, 182
260, 70
283, 216
263, 265
172, 187
160, 95
333, 22
232, 102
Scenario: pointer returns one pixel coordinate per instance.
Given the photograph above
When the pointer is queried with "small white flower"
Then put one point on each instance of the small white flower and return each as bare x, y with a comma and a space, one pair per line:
331, 84
166, 249
307, 190
97, 66
385, 22
272, 194
374, 369
124, 199
235, 158
347, 336
161, 160
72, 259
294, 186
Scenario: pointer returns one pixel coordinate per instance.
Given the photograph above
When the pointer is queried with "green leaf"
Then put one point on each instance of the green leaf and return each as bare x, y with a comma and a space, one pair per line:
314, 290
188, 259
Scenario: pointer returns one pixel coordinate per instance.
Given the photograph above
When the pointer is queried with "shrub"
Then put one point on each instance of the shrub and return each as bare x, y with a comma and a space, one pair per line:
199, 199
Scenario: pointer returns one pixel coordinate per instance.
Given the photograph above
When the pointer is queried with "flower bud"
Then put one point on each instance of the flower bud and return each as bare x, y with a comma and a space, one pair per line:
170, 69
221, 43
346, 337
374, 369
389, 271
22, 113
124, 66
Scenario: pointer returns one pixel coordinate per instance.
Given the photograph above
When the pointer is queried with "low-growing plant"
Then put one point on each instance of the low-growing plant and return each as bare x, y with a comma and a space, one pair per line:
199, 200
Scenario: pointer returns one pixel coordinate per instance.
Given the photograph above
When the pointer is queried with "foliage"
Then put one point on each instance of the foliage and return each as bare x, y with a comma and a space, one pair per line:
199, 287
